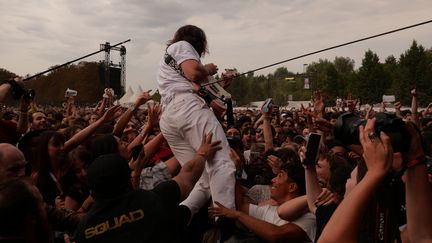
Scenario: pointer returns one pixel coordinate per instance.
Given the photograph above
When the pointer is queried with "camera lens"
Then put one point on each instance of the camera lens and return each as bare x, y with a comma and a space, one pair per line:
347, 129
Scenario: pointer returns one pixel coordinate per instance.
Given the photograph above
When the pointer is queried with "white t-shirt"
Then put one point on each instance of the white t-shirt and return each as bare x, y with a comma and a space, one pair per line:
169, 80
269, 214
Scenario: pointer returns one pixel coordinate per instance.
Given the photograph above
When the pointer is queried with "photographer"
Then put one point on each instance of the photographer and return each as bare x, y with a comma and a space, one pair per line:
348, 220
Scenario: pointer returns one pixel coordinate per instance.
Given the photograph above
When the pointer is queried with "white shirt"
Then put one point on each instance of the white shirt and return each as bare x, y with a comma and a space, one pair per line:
269, 214
169, 80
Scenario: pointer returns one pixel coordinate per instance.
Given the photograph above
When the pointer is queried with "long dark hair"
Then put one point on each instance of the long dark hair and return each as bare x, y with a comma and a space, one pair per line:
43, 163
194, 36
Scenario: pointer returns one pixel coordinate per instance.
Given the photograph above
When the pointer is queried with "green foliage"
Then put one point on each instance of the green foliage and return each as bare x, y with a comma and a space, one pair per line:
6, 75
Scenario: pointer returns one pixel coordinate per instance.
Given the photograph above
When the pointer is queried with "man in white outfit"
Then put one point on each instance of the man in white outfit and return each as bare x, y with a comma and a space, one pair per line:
186, 116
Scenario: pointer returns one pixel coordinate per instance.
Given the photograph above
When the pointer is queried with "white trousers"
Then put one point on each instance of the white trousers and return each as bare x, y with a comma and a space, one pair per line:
183, 123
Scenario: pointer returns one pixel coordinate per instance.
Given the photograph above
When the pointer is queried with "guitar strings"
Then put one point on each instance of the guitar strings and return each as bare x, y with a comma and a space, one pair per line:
323, 50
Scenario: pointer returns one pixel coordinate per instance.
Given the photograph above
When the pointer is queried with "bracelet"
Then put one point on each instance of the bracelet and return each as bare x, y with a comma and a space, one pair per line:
419, 160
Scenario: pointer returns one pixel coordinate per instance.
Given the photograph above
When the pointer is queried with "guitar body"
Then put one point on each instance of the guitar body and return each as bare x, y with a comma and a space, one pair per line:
213, 93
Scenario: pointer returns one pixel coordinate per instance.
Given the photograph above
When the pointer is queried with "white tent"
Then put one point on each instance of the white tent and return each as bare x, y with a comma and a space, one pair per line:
134, 97
126, 97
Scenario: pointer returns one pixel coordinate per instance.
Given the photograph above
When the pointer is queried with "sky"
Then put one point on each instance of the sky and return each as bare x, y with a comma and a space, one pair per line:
242, 34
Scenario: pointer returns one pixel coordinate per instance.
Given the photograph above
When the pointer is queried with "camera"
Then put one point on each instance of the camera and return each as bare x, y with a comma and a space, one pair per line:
18, 91
346, 129
70, 93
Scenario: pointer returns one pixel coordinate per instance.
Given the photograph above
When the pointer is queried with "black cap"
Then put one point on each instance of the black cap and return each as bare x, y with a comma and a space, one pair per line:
109, 176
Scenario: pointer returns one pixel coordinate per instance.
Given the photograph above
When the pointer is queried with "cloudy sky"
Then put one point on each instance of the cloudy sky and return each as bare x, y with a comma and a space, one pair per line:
246, 34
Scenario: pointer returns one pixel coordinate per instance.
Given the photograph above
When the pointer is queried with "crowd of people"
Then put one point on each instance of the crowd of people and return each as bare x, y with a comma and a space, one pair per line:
175, 171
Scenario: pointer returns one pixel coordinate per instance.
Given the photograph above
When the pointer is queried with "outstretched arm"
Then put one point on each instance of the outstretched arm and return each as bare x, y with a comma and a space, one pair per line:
125, 118
414, 106
293, 209
266, 231
313, 188
418, 192
4, 89
80, 137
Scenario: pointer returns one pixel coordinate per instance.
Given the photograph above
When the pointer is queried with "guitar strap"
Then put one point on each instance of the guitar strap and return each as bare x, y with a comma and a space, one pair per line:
202, 92
170, 61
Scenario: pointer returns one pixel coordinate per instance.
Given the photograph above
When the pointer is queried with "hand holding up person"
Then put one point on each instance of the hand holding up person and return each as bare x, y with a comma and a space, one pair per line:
222, 211
208, 148
192, 170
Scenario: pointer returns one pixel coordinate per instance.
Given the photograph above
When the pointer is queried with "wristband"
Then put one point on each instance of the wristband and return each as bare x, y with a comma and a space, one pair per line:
419, 160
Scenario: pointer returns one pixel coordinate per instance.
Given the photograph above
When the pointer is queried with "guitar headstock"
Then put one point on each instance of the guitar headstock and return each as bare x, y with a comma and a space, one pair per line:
230, 73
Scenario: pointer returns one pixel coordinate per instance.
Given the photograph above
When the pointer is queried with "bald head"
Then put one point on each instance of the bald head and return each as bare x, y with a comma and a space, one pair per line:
12, 162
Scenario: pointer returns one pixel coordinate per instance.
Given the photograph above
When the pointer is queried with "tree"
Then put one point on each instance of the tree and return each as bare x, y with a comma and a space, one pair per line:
415, 72
371, 81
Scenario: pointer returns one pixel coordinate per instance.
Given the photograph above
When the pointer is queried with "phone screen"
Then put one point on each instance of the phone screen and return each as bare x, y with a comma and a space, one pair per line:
312, 149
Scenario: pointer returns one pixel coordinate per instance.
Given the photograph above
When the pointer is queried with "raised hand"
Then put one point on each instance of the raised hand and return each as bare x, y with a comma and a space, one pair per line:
414, 92
211, 68
323, 125
275, 163
318, 102
325, 198
398, 105
154, 112
112, 113
222, 211
143, 98
377, 150
208, 148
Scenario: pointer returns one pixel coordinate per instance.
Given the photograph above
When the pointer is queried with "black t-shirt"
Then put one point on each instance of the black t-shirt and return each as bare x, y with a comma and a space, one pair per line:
138, 216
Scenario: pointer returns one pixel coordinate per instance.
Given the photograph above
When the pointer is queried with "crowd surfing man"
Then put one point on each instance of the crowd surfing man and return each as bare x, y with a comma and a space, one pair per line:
186, 116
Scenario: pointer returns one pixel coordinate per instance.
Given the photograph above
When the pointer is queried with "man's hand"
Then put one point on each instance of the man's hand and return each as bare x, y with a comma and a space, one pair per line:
208, 148
323, 125
398, 105
154, 112
143, 98
325, 198
414, 92
222, 211
211, 69
112, 113
275, 163
377, 149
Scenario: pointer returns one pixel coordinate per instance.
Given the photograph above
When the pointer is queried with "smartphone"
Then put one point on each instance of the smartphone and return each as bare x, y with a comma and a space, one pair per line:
312, 148
267, 106
136, 151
